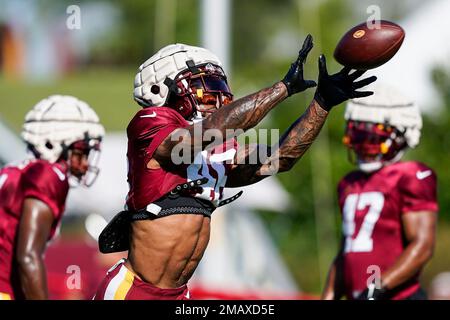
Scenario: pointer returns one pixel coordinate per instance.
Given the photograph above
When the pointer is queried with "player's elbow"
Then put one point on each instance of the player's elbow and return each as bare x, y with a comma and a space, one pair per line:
285, 160
286, 164
424, 252
28, 261
428, 254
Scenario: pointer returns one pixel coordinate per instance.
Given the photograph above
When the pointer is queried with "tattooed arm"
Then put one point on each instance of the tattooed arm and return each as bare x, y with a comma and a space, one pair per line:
291, 147
241, 114
331, 91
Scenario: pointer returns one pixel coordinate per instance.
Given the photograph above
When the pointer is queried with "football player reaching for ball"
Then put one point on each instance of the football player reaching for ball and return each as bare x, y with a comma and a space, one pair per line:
389, 207
166, 225
63, 134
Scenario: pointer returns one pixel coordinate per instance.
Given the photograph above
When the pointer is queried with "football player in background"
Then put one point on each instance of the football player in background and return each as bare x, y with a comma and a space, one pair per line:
63, 134
389, 207
185, 96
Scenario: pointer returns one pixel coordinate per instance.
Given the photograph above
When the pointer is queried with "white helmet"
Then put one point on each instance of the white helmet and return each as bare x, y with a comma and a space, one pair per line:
386, 108
160, 76
58, 121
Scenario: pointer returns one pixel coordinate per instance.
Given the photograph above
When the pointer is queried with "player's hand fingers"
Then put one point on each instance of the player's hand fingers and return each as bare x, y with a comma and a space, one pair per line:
346, 70
361, 94
322, 66
355, 75
364, 82
310, 84
306, 48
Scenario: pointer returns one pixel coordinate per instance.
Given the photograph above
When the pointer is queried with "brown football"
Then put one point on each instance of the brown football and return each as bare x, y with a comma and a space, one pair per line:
364, 47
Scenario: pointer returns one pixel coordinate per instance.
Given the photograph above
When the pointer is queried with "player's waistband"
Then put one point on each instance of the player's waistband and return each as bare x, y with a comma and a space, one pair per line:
115, 236
179, 201
5, 296
122, 280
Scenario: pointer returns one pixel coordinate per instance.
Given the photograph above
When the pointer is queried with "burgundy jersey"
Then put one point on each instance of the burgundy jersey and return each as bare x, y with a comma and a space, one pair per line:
37, 179
372, 206
146, 131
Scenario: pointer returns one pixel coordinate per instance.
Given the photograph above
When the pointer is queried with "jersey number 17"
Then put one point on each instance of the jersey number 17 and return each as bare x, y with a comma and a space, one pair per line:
363, 241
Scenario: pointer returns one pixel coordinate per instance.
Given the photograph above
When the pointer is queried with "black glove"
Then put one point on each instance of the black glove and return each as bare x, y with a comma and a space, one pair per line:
372, 293
337, 88
293, 80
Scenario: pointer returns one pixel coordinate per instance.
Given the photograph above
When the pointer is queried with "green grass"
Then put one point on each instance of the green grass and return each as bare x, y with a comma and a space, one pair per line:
108, 92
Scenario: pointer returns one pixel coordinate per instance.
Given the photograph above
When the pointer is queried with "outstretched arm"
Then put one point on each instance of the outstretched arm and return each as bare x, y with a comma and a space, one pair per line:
292, 145
242, 114
331, 91
34, 229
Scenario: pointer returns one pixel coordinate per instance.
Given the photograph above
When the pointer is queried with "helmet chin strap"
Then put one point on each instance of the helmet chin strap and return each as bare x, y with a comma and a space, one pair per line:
372, 166
196, 117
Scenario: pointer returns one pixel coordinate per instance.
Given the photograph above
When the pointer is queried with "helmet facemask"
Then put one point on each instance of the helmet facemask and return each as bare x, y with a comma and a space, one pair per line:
87, 150
373, 144
157, 82
55, 123
199, 91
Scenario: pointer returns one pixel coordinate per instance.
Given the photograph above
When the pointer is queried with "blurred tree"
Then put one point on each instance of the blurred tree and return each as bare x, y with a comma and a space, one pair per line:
134, 38
146, 26
434, 148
